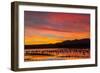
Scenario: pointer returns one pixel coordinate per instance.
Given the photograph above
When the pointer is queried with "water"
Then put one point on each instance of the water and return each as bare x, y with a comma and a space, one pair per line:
56, 54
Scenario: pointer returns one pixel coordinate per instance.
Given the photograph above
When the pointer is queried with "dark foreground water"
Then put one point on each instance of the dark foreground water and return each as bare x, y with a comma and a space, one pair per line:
56, 54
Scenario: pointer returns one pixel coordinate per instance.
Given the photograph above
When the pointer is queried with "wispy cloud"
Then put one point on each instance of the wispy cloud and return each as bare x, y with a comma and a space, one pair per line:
56, 25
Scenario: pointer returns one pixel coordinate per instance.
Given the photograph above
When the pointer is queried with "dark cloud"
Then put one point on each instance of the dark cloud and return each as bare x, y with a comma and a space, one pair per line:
63, 22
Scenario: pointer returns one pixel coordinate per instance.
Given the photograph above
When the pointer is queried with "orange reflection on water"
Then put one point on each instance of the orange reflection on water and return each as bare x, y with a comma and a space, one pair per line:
56, 54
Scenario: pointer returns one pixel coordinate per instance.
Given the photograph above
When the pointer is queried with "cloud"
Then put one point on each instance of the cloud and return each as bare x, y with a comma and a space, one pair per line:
52, 26
64, 22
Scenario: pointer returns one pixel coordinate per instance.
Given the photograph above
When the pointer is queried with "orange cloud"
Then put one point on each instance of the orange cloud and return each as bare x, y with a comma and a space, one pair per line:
52, 27
47, 36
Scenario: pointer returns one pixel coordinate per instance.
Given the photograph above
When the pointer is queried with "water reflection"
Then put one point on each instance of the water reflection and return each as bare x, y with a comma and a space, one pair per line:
56, 54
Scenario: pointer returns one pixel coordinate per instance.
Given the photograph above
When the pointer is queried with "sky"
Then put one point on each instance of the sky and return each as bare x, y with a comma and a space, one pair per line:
53, 27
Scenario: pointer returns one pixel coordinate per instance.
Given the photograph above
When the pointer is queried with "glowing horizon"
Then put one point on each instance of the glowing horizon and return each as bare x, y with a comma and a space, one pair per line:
52, 27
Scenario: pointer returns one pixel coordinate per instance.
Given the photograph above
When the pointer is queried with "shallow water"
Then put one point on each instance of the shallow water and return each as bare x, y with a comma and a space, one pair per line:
56, 54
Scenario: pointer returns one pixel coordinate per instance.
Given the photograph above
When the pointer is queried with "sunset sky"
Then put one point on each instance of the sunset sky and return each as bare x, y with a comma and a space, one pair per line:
53, 27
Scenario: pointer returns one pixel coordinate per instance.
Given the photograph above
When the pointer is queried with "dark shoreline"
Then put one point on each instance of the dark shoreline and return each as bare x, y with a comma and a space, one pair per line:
82, 43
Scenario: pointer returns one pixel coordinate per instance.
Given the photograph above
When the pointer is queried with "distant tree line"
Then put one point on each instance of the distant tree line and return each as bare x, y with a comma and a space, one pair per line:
82, 43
